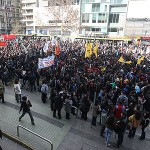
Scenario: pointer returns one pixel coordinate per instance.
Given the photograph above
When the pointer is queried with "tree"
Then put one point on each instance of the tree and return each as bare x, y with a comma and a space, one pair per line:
65, 15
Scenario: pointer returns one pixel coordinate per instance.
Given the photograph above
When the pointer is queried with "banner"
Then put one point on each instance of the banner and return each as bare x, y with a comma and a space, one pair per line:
45, 62
3, 44
46, 46
88, 51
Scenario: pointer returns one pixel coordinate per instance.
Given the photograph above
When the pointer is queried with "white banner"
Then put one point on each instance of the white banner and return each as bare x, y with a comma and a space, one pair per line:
45, 62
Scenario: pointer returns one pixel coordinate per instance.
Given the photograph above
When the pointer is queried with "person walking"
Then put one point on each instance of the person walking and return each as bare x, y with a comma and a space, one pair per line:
110, 122
17, 90
44, 91
2, 91
25, 108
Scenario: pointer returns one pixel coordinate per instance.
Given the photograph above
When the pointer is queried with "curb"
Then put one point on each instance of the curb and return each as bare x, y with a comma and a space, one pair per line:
18, 141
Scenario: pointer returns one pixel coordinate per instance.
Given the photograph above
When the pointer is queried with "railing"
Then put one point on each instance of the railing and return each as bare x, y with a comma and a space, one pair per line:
19, 126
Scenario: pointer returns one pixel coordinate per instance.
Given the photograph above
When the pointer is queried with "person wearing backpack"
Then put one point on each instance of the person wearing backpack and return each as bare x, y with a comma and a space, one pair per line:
120, 128
44, 91
144, 124
17, 90
118, 110
2, 91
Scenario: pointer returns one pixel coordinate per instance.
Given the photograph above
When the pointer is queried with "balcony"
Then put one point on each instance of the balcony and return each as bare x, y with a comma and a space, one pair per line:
27, 19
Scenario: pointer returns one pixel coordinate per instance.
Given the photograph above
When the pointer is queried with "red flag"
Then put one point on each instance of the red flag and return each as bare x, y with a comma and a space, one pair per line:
57, 50
3, 44
9, 36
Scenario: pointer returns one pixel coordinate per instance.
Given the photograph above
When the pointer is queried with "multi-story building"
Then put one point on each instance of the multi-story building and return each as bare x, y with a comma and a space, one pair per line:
138, 18
49, 16
103, 17
9, 15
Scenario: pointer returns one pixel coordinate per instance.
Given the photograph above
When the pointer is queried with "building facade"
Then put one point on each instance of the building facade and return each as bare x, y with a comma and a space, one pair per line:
138, 18
50, 17
103, 17
10, 16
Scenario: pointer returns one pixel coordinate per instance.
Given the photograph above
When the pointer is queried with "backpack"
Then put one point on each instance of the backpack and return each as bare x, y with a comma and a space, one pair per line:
43, 89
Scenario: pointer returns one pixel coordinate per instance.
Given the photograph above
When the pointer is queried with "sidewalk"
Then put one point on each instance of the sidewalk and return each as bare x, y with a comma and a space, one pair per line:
7, 144
65, 134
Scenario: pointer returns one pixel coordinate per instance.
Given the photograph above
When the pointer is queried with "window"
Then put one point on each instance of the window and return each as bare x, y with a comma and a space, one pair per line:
93, 18
102, 18
85, 18
113, 18
116, 1
112, 29
105, 8
83, 8
96, 29
88, 1
95, 7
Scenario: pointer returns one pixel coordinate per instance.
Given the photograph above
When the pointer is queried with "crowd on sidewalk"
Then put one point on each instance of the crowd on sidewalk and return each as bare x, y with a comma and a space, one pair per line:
118, 90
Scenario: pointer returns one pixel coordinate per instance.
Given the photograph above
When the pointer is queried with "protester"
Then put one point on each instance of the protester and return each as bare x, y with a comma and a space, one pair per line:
68, 105
2, 91
120, 128
25, 108
115, 73
85, 107
95, 113
110, 123
144, 124
17, 90
135, 122
44, 91
58, 104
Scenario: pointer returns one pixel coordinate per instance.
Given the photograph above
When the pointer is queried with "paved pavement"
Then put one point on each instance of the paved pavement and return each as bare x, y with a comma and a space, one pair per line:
7, 144
73, 134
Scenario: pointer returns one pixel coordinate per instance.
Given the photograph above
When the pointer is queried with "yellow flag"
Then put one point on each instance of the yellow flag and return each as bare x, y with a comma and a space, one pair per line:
96, 50
121, 59
128, 62
103, 69
88, 51
140, 60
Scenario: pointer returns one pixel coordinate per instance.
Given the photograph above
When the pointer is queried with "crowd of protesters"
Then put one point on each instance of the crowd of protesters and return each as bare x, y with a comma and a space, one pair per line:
119, 92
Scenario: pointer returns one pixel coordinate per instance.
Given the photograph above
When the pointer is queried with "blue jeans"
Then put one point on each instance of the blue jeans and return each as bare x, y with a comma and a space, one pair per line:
108, 133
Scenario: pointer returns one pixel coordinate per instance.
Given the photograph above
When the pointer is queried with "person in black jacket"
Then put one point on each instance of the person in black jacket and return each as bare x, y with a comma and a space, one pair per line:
85, 107
58, 104
120, 128
25, 106
144, 123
